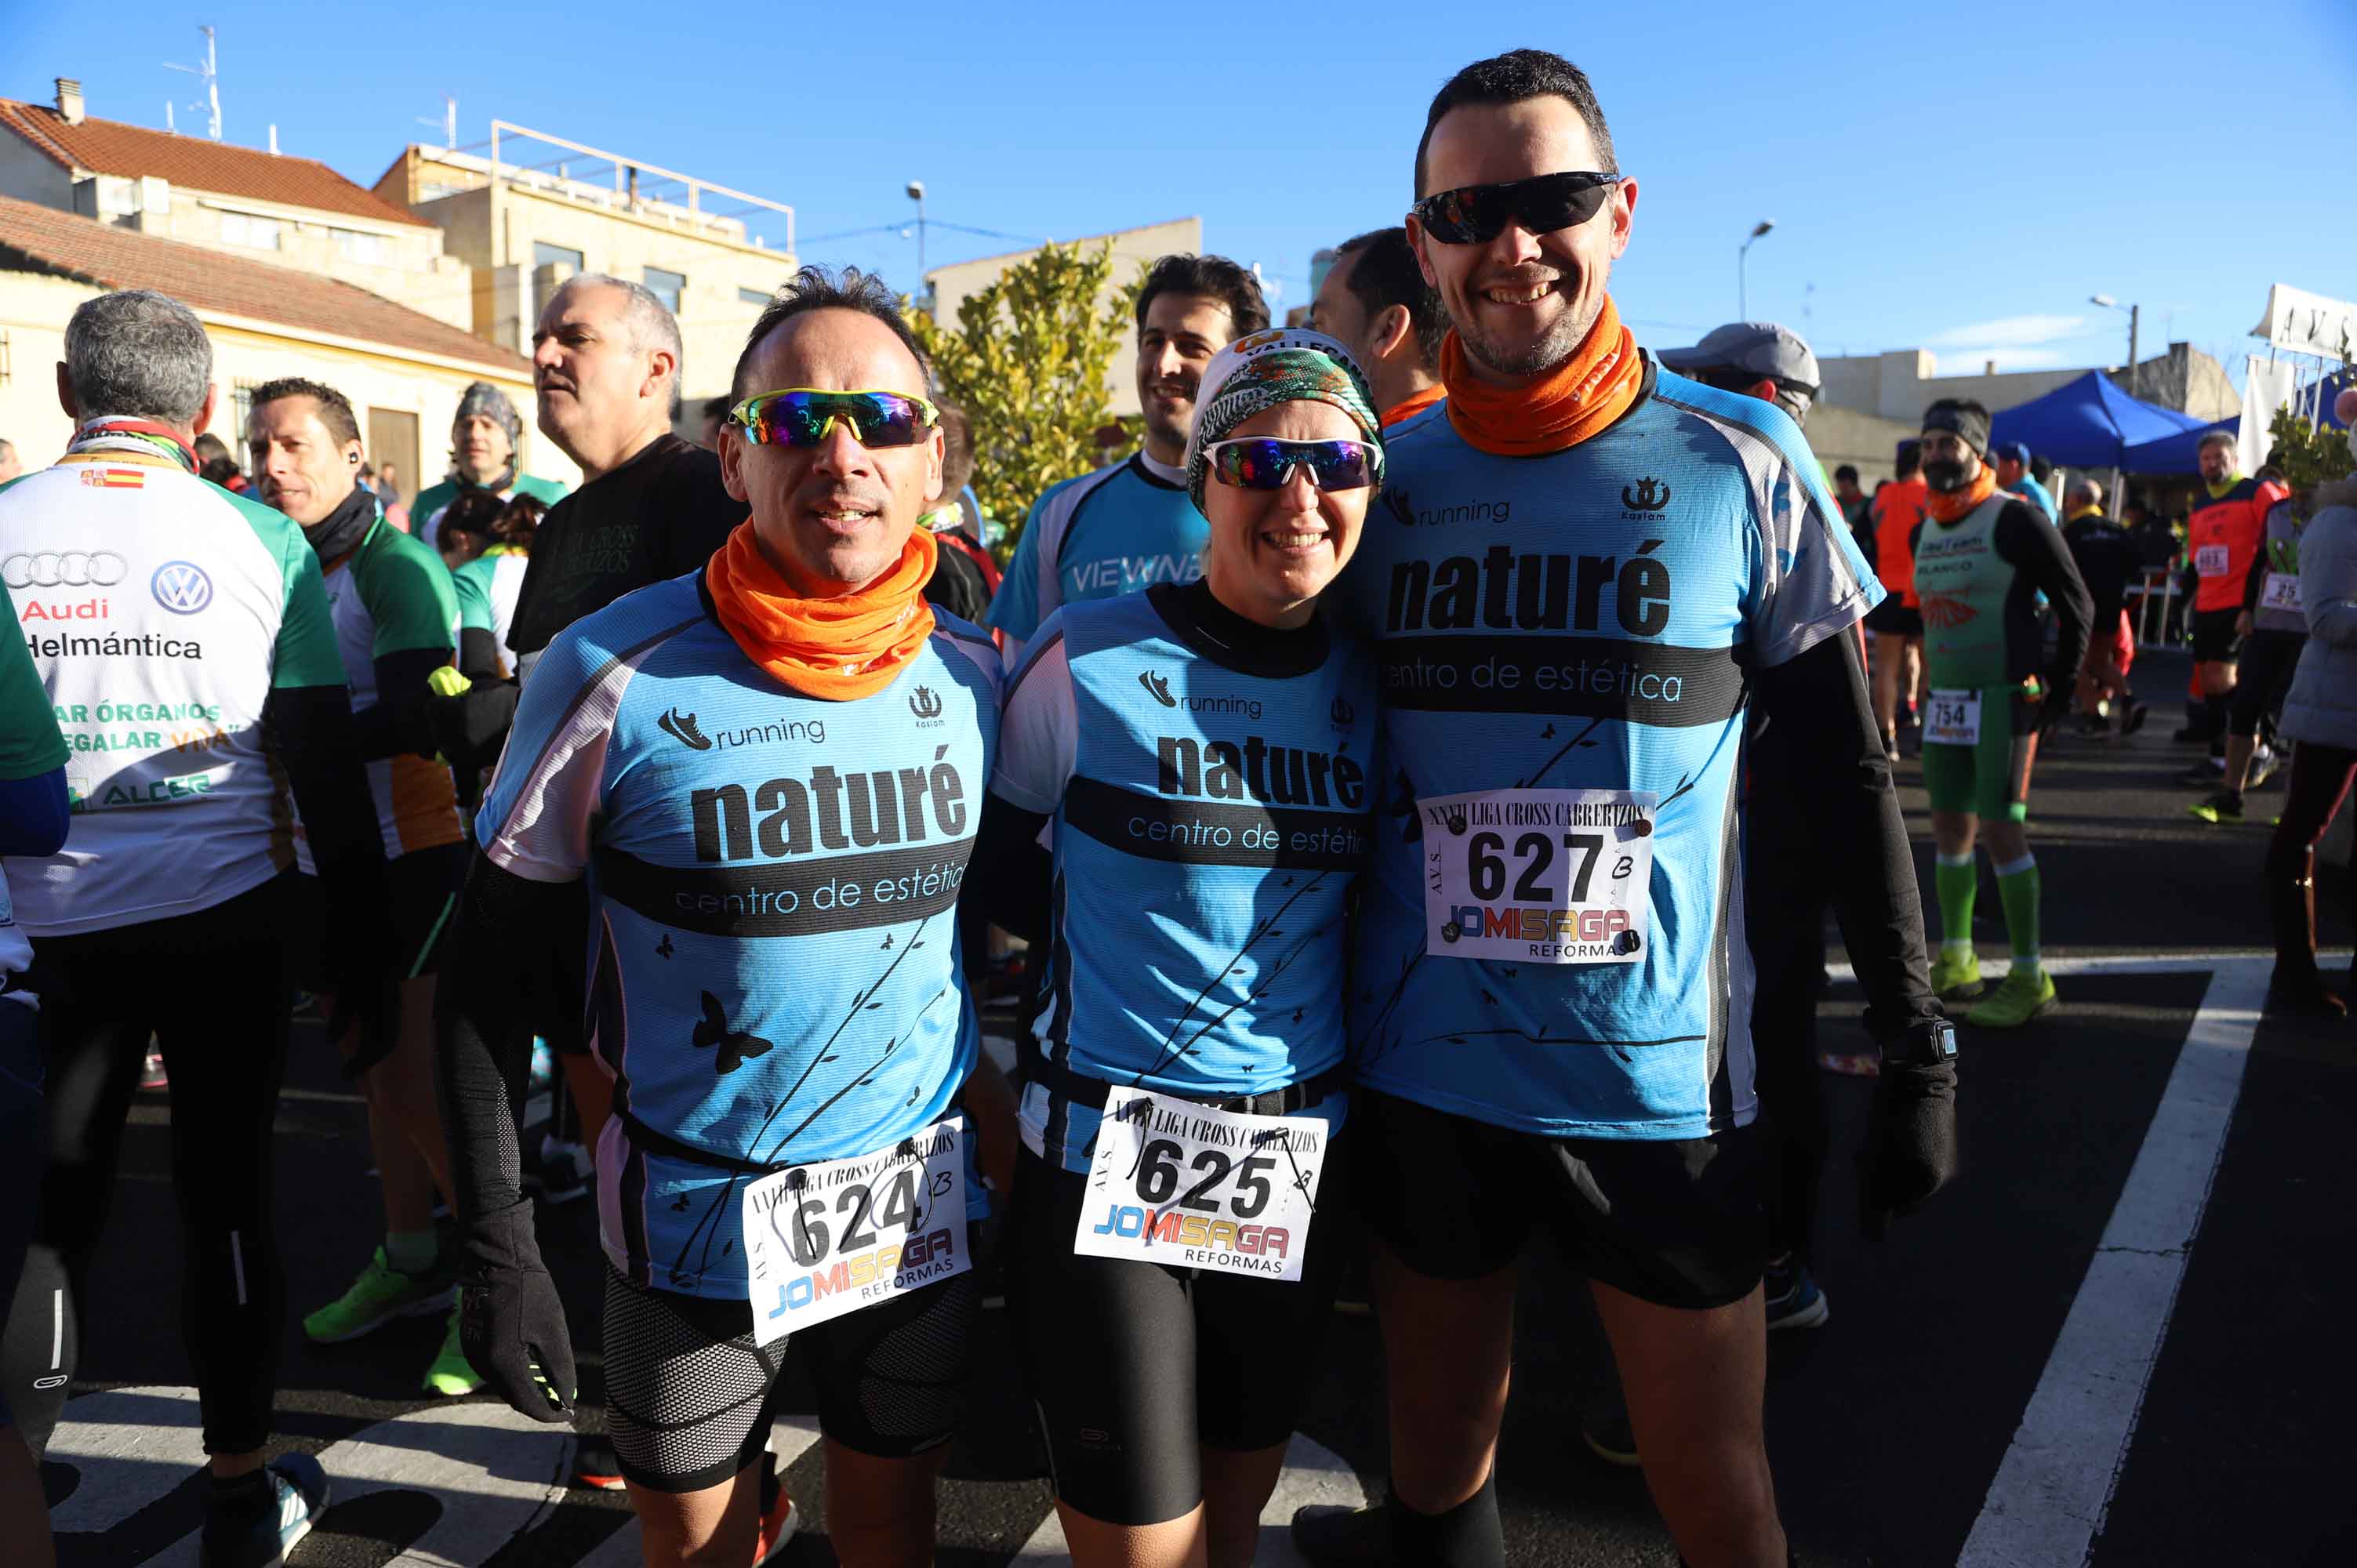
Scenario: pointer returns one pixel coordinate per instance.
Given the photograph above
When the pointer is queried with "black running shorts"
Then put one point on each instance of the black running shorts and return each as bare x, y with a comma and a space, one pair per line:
1677, 1222
1136, 1365
424, 887
1893, 618
687, 1388
2263, 679
2215, 641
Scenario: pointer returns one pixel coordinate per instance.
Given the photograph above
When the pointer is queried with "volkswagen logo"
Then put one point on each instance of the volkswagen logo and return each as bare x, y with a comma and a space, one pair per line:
64, 569
181, 586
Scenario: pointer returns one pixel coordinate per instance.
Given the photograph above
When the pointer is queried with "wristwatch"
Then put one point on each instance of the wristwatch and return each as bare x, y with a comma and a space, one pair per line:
1928, 1042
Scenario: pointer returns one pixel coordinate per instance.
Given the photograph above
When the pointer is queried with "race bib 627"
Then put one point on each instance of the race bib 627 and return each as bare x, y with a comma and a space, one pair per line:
1538, 876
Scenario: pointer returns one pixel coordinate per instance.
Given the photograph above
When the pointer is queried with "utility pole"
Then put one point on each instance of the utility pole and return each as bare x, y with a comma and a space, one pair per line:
449, 121
2136, 313
210, 75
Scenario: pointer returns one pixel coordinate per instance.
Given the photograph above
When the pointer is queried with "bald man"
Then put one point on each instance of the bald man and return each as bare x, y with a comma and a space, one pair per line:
2108, 561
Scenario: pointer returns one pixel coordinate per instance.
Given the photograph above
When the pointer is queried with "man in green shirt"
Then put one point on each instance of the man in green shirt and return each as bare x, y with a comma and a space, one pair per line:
1982, 557
483, 441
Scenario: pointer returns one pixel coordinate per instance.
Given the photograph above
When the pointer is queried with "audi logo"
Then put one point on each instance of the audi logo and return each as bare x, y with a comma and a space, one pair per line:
63, 569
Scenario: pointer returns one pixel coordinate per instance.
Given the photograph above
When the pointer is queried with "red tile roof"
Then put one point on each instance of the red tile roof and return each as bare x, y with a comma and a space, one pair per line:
100, 254
109, 146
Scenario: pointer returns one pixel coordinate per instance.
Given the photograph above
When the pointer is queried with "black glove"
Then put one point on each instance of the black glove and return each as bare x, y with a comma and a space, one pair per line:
1910, 1142
509, 1321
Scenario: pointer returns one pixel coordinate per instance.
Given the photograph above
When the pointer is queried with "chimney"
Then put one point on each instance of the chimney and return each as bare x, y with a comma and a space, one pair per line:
69, 100
1989, 367
273, 141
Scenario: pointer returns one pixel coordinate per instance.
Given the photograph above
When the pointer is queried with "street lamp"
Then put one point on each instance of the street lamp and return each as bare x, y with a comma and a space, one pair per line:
1742, 297
2135, 371
917, 195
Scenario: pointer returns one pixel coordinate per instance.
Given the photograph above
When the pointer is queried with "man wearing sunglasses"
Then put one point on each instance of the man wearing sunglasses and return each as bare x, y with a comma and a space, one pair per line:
1550, 1002
776, 764
1127, 527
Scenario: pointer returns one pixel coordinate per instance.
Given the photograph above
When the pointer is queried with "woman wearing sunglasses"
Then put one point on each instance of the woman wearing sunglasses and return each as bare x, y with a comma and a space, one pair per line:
1203, 753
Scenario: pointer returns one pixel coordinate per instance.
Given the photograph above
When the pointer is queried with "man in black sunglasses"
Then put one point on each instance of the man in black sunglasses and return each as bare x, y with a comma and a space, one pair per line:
1597, 569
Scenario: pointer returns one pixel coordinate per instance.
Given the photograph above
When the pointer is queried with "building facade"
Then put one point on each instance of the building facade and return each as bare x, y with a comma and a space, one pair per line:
1134, 249
1902, 383
243, 202
403, 371
537, 210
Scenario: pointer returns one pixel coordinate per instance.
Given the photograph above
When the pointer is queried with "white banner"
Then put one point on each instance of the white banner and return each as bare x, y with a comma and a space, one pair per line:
2305, 323
2267, 386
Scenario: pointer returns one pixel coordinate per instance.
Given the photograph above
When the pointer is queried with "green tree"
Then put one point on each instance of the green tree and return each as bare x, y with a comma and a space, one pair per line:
2308, 453
1027, 360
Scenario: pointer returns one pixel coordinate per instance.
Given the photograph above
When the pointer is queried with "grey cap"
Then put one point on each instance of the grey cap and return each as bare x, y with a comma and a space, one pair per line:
1754, 347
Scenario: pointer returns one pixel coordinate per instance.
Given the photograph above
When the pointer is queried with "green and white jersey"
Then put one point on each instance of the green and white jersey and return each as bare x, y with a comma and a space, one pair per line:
392, 595
426, 517
160, 613
1963, 580
488, 587
30, 745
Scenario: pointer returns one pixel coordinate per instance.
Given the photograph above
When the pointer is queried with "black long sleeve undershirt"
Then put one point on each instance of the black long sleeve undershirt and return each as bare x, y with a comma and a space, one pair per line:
395, 723
1012, 873
1820, 773
310, 730
482, 1032
471, 727
2041, 560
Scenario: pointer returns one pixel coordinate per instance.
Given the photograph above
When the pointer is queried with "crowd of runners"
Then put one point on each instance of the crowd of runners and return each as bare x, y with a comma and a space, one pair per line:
1420, 773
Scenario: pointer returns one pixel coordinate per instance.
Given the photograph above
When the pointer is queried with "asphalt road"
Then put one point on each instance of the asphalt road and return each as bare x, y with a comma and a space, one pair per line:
2120, 1339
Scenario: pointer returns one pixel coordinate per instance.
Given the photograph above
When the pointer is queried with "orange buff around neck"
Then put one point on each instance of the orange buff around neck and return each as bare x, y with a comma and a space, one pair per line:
836, 648
1955, 506
1574, 400
1416, 403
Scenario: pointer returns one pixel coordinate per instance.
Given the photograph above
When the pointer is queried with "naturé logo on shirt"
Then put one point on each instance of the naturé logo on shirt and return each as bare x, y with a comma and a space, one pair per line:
1255, 771
830, 811
1531, 593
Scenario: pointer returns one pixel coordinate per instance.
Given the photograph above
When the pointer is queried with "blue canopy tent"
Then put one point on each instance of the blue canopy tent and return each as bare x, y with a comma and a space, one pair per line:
2088, 424
2179, 452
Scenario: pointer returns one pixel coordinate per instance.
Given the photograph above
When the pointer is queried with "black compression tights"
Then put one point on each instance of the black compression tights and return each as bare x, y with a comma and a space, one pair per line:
210, 987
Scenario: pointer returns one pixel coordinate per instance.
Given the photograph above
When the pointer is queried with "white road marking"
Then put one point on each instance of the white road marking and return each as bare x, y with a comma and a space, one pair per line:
130, 1446
2047, 1504
1312, 1474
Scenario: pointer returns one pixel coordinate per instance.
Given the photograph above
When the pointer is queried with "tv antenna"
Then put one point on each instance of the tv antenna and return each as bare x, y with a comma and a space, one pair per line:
210, 76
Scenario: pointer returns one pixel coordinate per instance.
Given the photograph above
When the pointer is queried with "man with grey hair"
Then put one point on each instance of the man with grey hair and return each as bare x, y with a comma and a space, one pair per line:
10, 466
184, 638
486, 444
605, 365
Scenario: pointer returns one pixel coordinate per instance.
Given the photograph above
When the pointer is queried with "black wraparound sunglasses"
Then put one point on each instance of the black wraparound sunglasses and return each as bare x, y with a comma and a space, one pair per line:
1474, 214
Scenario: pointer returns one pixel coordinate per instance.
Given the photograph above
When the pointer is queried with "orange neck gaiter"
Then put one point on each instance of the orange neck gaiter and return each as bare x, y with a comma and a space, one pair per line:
834, 649
1416, 403
1955, 506
1581, 396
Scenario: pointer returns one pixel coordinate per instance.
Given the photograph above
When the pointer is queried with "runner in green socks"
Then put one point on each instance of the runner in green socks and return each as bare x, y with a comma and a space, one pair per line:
1982, 557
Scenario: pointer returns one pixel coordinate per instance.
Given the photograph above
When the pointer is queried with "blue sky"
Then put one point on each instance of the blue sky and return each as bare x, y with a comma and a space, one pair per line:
1959, 180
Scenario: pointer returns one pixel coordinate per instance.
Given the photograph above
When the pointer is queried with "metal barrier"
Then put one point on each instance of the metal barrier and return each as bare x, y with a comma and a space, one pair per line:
2156, 591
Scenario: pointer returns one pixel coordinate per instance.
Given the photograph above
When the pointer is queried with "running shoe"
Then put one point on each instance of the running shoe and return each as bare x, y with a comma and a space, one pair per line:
382, 1293
2225, 806
594, 1466
1793, 1299
452, 1376
256, 1527
1329, 1536
2137, 713
2264, 763
1955, 978
779, 1520
565, 1170
151, 1071
2018, 999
